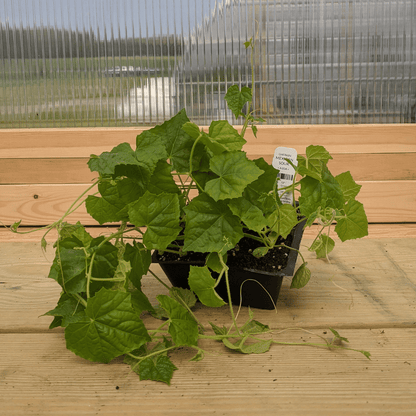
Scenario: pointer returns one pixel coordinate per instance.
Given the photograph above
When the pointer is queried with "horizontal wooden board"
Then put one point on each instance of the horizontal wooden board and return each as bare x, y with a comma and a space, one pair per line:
40, 377
384, 201
81, 142
370, 167
384, 230
369, 283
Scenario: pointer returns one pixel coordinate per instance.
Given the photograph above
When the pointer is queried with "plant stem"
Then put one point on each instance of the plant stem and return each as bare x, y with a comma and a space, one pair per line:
158, 279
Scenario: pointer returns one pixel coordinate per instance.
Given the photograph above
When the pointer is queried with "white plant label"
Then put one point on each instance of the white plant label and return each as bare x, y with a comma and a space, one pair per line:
286, 171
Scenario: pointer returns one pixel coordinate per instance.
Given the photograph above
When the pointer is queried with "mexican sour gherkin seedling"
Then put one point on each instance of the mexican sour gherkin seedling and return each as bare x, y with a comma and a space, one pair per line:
180, 190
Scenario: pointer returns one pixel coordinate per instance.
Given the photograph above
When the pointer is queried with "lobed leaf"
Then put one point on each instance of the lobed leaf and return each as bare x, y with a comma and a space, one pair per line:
160, 214
210, 226
111, 328
234, 172
237, 99
354, 224
201, 282
182, 326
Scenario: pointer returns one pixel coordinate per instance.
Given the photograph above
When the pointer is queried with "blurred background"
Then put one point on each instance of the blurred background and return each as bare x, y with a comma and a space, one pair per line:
93, 63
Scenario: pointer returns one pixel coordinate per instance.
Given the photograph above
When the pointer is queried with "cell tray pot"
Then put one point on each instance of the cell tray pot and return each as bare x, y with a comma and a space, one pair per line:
258, 288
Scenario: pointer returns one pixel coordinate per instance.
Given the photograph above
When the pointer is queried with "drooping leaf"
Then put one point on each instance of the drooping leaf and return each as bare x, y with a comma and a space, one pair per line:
236, 99
182, 295
112, 328
317, 195
259, 347
214, 263
283, 219
338, 336
251, 215
322, 246
301, 277
109, 207
201, 282
350, 188
69, 268
67, 310
234, 172
162, 181
160, 214
140, 259
182, 326
210, 226
254, 327
260, 252
218, 330
140, 302
354, 224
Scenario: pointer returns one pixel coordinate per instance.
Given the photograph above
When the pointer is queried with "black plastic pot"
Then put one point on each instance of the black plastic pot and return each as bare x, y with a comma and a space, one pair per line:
258, 287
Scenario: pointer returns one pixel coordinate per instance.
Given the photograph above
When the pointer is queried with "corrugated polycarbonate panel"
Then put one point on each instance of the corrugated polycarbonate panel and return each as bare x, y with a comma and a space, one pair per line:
138, 62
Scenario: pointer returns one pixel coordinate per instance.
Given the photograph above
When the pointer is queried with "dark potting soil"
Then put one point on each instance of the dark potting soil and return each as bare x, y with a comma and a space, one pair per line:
241, 256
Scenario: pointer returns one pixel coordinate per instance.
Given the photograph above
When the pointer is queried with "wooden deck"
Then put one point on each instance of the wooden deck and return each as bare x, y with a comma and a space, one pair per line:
367, 293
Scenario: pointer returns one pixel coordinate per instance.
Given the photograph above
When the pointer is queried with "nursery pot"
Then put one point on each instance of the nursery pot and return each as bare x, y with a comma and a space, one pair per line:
259, 289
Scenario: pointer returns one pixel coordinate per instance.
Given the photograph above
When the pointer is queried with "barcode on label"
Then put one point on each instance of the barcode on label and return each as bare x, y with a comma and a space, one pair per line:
286, 176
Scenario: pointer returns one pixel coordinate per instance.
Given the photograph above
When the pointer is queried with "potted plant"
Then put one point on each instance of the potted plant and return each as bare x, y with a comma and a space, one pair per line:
183, 192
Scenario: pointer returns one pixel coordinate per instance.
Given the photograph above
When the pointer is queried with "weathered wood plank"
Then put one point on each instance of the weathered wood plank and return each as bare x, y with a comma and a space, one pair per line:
369, 283
39, 376
363, 167
40, 204
81, 142
380, 231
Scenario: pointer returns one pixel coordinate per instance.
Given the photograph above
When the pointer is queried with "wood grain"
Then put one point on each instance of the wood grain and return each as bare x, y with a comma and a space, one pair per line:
363, 167
369, 283
81, 142
39, 376
40, 204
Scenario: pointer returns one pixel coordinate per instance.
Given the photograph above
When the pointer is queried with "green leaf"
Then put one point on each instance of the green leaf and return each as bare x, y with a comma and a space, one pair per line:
217, 330
150, 150
301, 277
77, 232
158, 368
214, 263
140, 302
354, 224
283, 219
110, 207
68, 310
226, 135
234, 172
182, 326
314, 162
140, 259
322, 246
192, 129
183, 296
177, 142
162, 180
236, 99
160, 214
249, 214
350, 188
199, 356
317, 195
210, 226
259, 347
69, 269
112, 328
254, 327
201, 282
337, 335
106, 163
260, 252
